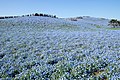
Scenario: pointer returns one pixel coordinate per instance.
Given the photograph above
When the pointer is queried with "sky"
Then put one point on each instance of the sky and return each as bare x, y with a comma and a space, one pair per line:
62, 8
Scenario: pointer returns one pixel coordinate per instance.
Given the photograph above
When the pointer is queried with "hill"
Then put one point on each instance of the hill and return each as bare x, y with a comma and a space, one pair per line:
46, 48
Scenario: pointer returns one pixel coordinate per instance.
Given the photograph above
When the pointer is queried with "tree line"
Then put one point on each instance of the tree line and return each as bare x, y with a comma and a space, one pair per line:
5, 17
36, 14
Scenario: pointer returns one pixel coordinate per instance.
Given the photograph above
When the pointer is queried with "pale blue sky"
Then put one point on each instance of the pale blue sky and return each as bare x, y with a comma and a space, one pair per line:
62, 8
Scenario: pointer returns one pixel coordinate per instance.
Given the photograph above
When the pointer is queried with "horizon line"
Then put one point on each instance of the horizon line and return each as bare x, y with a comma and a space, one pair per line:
59, 16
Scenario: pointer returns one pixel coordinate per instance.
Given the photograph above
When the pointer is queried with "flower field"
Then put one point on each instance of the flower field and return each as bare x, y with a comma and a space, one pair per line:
43, 48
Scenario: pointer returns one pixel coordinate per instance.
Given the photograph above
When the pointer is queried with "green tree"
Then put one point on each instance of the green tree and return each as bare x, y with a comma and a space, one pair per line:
114, 23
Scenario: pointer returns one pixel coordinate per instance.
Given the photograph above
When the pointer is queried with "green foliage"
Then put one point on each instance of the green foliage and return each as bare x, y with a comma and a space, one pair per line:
61, 69
98, 26
113, 28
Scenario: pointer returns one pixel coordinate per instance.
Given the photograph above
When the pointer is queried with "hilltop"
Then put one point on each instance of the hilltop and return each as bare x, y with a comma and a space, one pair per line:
78, 23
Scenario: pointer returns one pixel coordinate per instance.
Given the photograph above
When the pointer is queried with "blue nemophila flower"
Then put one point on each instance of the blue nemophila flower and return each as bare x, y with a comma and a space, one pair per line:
48, 48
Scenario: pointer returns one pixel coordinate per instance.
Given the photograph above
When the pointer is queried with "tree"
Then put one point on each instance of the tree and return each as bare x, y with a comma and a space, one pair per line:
36, 14
41, 14
119, 23
114, 22
2, 17
79, 17
28, 15
54, 16
45, 15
